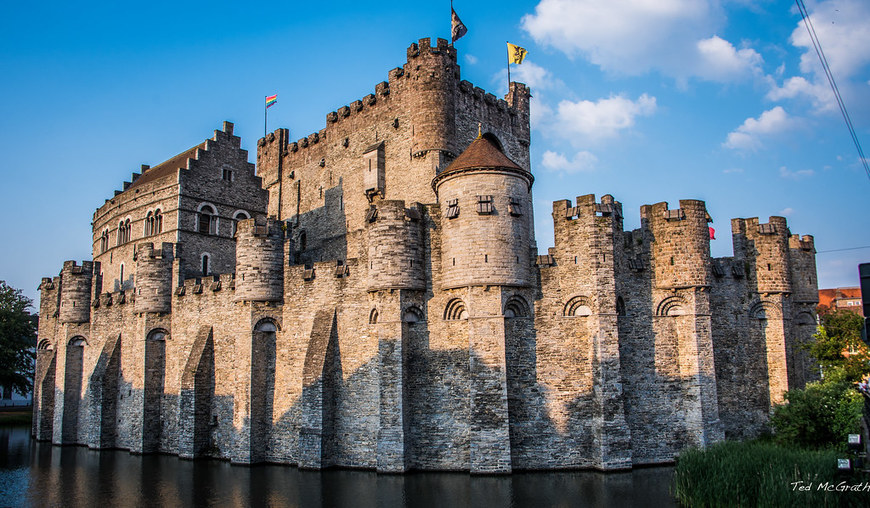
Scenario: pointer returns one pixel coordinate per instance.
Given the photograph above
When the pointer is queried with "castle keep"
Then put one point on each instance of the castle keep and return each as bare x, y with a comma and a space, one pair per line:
372, 297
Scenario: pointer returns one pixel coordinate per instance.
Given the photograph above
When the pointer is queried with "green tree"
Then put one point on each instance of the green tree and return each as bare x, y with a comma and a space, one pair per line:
838, 344
17, 339
825, 412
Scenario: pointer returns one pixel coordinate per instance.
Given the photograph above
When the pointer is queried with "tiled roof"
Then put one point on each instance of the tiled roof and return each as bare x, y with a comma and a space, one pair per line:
168, 167
481, 153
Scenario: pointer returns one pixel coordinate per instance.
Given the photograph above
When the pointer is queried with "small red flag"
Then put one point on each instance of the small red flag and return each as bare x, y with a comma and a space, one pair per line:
712, 233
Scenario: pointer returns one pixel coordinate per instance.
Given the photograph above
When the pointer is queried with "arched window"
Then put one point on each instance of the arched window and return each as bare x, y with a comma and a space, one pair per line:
104, 241
121, 233
124, 228
455, 310
78, 341
205, 265
373, 317
303, 241
207, 220
44, 344
412, 315
158, 334
515, 307
121, 276
239, 216
578, 306
158, 222
266, 325
149, 224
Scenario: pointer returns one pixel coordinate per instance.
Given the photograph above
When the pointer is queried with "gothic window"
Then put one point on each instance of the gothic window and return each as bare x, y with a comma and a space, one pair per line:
104, 241
158, 222
452, 209
124, 228
149, 224
206, 220
484, 205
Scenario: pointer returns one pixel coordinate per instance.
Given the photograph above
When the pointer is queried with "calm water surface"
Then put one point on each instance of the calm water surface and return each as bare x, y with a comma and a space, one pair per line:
39, 474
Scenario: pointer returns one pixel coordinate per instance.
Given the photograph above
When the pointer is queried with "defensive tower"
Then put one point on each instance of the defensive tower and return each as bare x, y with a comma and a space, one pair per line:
260, 260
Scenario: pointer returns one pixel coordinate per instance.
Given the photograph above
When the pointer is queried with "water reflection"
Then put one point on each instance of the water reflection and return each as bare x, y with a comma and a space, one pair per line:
39, 474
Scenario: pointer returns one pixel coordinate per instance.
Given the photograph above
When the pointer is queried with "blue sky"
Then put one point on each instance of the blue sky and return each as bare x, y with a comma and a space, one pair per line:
647, 100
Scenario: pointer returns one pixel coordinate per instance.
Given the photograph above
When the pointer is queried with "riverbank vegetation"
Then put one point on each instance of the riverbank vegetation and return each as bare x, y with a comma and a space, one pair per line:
797, 464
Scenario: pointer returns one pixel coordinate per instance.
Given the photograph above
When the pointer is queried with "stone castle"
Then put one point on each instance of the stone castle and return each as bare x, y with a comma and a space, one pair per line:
372, 297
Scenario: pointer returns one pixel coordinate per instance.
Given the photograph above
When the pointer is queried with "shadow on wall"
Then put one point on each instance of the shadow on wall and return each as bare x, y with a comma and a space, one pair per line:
328, 426
321, 234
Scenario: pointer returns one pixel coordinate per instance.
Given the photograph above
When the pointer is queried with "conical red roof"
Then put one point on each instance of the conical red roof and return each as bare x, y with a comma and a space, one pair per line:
481, 153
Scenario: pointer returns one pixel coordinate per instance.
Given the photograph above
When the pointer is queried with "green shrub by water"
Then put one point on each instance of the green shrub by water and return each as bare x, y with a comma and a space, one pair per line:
758, 473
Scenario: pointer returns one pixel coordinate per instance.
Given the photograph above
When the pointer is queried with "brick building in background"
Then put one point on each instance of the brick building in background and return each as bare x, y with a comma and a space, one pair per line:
372, 297
841, 299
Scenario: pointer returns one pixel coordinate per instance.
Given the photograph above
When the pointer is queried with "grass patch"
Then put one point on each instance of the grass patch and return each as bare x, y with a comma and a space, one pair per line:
758, 473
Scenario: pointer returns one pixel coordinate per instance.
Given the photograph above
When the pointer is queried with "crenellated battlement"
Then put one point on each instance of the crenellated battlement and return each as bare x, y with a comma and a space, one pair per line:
805, 242
417, 315
210, 285
75, 292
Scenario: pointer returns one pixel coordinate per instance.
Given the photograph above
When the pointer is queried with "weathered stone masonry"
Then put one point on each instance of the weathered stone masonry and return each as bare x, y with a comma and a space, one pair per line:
373, 298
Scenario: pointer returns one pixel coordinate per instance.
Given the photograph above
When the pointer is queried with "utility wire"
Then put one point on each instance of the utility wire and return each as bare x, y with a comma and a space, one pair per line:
817, 45
841, 250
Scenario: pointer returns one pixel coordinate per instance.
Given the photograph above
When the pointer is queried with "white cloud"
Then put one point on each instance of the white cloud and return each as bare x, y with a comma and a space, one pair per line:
556, 162
633, 37
784, 172
732, 170
787, 212
843, 30
538, 78
471, 59
747, 136
593, 121
535, 76
721, 61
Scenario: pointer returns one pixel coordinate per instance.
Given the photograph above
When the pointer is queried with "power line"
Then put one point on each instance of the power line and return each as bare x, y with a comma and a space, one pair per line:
817, 45
841, 250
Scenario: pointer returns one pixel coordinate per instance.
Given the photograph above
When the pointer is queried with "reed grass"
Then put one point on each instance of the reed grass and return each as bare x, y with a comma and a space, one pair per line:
759, 473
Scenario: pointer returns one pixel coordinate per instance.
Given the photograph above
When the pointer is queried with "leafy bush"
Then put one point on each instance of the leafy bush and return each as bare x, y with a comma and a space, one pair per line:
822, 415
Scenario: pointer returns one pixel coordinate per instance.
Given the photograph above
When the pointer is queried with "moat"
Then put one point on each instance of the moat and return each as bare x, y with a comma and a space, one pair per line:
39, 474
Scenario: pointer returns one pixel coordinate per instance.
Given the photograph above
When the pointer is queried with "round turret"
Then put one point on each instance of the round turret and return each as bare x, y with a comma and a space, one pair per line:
433, 72
153, 278
259, 261
486, 229
75, 292
395, 247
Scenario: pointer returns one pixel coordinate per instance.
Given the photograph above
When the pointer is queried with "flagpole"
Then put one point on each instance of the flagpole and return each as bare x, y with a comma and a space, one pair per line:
507, 50
265, 116
451, 22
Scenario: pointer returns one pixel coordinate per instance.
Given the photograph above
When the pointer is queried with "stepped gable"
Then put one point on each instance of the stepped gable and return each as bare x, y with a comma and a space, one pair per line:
168, 167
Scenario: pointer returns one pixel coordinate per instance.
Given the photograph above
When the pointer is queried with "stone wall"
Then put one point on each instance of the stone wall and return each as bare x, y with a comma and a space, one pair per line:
333, 328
